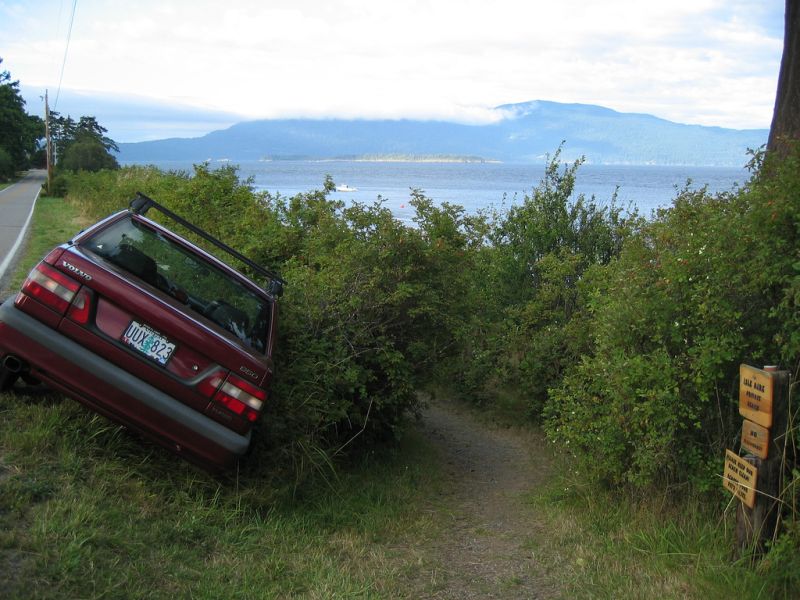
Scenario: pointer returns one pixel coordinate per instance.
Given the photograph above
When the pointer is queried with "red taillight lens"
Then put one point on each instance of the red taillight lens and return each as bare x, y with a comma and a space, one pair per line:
244, 392
235, 394
50, 287
210, 384
232, 404
81, 307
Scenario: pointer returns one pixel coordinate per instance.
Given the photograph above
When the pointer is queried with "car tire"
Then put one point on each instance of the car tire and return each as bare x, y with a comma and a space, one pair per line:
7, 378
29, 379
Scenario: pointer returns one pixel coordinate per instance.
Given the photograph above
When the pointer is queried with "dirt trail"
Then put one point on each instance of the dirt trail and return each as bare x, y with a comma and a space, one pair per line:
485, 551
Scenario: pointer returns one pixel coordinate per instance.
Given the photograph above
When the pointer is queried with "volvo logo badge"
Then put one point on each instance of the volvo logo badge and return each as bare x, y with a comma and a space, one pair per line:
247, 371
76, 270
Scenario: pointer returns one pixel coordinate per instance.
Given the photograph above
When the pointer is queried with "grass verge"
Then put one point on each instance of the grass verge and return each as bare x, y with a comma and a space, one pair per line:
19, 175
89, 511
609, 544
54, 221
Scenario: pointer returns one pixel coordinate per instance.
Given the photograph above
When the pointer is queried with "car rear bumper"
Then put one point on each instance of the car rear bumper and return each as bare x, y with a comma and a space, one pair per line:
114, 392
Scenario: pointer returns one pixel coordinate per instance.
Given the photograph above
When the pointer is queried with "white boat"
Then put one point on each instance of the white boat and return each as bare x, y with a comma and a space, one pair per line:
346, 188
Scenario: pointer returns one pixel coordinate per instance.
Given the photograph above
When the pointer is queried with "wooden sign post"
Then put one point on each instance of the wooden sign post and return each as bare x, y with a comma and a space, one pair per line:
756, 392
740, 478
755, 439
756, 478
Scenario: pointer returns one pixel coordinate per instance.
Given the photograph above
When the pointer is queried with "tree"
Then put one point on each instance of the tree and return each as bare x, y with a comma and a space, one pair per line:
82, 145
87, 154
785, 128
89, 127
62, 132
6, 165
19, 131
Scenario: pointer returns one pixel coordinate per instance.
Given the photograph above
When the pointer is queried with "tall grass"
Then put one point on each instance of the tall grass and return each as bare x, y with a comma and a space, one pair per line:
88, 511
615, 544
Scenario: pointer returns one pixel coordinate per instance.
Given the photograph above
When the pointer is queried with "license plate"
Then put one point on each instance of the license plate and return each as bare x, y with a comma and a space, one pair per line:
145, 340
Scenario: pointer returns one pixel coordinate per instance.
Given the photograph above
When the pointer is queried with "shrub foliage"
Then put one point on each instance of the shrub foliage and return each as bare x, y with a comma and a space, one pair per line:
623, 335
368, 311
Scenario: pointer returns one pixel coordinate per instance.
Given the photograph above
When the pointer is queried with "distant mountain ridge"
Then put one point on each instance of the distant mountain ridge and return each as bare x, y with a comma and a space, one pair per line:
528, 132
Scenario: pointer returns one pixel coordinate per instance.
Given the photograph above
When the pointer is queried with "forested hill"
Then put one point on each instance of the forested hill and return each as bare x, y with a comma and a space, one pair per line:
528, 133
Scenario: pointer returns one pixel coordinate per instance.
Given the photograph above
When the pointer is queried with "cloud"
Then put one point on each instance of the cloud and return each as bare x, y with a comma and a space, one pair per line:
703, 61
131, 118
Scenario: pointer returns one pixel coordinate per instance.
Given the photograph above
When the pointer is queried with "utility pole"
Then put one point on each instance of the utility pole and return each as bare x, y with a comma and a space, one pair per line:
48, 144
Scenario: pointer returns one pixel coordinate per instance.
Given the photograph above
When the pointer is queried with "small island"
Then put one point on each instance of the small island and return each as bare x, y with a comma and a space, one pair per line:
423, 158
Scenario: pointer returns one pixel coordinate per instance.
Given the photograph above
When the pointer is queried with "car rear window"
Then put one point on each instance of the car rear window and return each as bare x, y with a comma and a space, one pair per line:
202, 286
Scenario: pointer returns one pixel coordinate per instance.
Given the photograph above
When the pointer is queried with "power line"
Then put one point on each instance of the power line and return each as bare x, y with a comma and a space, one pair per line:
57, 35
66, 49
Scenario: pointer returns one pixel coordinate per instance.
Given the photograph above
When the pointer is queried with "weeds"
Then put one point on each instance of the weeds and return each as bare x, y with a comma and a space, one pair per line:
615, 544
88, 511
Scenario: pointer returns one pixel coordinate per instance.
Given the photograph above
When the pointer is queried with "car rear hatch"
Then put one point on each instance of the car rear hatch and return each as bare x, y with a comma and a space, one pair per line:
157, 306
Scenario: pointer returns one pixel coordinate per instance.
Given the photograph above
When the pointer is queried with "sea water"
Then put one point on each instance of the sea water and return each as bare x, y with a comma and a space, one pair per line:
477, 186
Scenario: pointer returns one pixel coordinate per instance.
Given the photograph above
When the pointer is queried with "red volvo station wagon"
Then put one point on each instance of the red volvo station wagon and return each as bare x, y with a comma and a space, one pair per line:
146, 328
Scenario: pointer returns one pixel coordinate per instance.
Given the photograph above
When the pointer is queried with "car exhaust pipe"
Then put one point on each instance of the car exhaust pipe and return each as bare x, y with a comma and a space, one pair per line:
14, 364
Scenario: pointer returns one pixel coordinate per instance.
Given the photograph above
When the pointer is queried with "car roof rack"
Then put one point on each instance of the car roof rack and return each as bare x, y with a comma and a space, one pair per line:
141, 204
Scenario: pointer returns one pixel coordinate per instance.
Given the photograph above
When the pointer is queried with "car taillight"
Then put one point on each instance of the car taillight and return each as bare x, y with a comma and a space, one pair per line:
81, 307
209, 385
235, 394
50, 287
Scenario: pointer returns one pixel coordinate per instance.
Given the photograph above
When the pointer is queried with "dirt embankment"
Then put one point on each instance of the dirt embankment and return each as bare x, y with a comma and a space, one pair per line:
488, 549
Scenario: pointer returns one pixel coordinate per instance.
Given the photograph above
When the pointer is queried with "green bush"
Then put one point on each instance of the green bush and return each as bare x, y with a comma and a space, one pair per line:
705, 286
625, 335
530, 328
6, 165
87, 155
59, 186
368, 311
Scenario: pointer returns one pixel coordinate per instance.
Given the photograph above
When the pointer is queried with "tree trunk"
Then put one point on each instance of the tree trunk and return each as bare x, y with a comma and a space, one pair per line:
785, 127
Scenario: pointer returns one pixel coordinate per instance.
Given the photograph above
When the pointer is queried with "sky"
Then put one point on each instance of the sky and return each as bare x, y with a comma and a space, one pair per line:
151, 69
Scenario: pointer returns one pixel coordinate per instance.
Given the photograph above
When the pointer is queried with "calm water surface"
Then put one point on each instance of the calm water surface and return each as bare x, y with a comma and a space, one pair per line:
476, 185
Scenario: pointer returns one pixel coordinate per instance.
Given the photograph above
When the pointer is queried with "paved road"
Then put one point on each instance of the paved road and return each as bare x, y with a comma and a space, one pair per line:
16, 207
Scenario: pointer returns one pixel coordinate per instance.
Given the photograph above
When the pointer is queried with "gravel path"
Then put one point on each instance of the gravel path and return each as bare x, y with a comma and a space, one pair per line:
486, 550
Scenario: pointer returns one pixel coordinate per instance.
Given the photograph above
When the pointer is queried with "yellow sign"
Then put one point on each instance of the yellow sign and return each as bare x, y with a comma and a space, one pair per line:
755, 395
740, 478
755, 439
